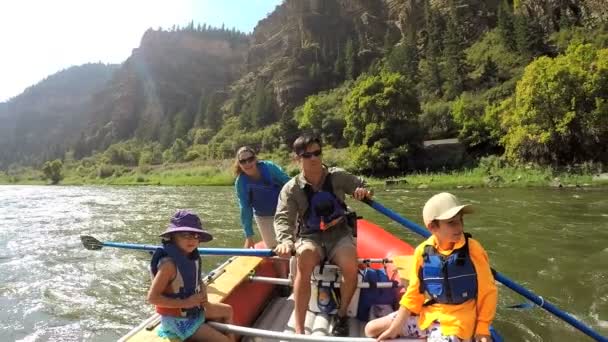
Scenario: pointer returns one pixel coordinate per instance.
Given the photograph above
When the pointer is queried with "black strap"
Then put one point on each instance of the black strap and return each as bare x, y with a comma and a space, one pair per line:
322, 265
429, 302
463, 252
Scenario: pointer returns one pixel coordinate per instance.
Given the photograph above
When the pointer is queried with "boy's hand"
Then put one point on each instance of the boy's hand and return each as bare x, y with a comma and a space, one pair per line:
390, 333
361, 193
482, 338
283, 250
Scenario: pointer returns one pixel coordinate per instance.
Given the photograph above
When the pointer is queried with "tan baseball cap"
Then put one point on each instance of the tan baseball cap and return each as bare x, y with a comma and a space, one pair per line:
443, 206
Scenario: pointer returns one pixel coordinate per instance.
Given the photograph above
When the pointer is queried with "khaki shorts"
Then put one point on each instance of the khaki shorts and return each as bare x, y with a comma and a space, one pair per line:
266, 229
326, 243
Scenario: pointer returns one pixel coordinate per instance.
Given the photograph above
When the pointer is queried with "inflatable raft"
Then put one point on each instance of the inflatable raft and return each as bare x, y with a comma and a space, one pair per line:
260, 314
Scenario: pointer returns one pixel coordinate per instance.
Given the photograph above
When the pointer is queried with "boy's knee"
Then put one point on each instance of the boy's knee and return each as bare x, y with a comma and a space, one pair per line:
370, 330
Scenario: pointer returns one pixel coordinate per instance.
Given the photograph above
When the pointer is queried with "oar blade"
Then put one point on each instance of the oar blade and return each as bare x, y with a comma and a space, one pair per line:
91, 243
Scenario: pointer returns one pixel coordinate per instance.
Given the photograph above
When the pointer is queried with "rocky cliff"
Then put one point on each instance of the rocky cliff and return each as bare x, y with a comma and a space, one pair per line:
164, 76
45, 119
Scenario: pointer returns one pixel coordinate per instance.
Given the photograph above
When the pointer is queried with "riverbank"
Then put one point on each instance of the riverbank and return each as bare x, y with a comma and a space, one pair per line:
218, 173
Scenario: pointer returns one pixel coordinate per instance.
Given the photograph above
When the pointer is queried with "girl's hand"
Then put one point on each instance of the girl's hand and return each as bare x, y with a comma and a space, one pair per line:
390, 333
195, 300
482, 338
249, 243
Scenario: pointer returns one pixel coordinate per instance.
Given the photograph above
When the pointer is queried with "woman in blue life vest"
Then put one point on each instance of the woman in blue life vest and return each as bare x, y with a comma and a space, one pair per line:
258, 184
177, 289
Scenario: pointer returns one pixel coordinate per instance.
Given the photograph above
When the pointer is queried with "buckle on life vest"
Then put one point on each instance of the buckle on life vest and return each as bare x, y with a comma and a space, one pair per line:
325, 226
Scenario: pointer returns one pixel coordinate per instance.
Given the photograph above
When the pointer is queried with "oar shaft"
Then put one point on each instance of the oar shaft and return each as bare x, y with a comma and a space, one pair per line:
568, 318
501, 278
204, 251
361, 285
134, 246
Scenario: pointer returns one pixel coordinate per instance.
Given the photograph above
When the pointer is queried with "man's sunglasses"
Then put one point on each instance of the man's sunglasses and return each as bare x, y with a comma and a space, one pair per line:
246, 160
308, 155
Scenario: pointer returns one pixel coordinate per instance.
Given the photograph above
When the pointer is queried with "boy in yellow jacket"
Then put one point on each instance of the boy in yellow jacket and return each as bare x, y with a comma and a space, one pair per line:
452, 295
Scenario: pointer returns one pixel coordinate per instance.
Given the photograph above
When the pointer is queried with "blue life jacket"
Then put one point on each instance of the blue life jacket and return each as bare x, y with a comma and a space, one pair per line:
323, 208
263, 193
450, 279
189, 269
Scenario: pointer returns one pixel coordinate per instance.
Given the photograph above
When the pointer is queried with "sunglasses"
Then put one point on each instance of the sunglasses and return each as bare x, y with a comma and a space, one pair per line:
189, 235
246, 160
308, 155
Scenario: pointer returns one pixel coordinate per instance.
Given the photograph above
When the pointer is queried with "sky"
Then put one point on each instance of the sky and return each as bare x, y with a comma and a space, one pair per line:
40, 37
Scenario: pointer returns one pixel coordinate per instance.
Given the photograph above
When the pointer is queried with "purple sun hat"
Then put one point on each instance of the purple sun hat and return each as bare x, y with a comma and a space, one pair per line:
187, 221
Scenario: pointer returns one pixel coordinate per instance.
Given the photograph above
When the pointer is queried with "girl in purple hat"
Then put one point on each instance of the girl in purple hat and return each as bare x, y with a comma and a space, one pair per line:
177, 289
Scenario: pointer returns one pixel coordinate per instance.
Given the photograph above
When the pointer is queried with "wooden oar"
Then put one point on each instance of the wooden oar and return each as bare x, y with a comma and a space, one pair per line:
538, 300
92, 243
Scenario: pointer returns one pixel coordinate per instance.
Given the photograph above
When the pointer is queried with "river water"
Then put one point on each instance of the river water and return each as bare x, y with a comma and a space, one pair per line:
552, 241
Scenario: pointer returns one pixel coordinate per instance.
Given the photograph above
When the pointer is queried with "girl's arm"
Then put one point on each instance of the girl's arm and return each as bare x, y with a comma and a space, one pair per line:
166, 272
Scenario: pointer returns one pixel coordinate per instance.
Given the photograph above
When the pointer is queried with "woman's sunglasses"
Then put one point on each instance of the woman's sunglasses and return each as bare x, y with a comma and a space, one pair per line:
308, 155
246, 160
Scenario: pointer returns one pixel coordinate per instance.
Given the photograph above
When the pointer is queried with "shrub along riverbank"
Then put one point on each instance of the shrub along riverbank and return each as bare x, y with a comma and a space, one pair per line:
489, 172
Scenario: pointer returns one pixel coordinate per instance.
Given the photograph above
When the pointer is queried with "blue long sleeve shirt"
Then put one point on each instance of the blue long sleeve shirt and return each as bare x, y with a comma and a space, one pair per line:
277, 176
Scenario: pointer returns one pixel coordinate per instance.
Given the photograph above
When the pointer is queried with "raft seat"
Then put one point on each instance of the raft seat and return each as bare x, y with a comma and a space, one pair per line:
279, 315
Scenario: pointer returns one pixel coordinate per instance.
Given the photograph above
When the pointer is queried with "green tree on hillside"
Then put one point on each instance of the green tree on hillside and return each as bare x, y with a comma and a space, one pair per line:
262, 111
381, 115
529, 36
489, 73
403, 58
559, 110
350, 60
430, 69
213, 115
166, 133
505, 25
322, 114
201, 113
176, 153
339, 68
182, 124
53, 170
455, 70
477, 130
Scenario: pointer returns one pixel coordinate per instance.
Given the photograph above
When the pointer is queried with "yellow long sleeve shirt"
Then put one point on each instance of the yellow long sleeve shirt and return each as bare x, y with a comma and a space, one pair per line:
462, 320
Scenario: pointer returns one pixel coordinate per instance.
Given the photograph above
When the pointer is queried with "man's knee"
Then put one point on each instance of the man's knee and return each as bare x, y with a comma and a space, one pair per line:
346, 259
307, 260
350, 269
